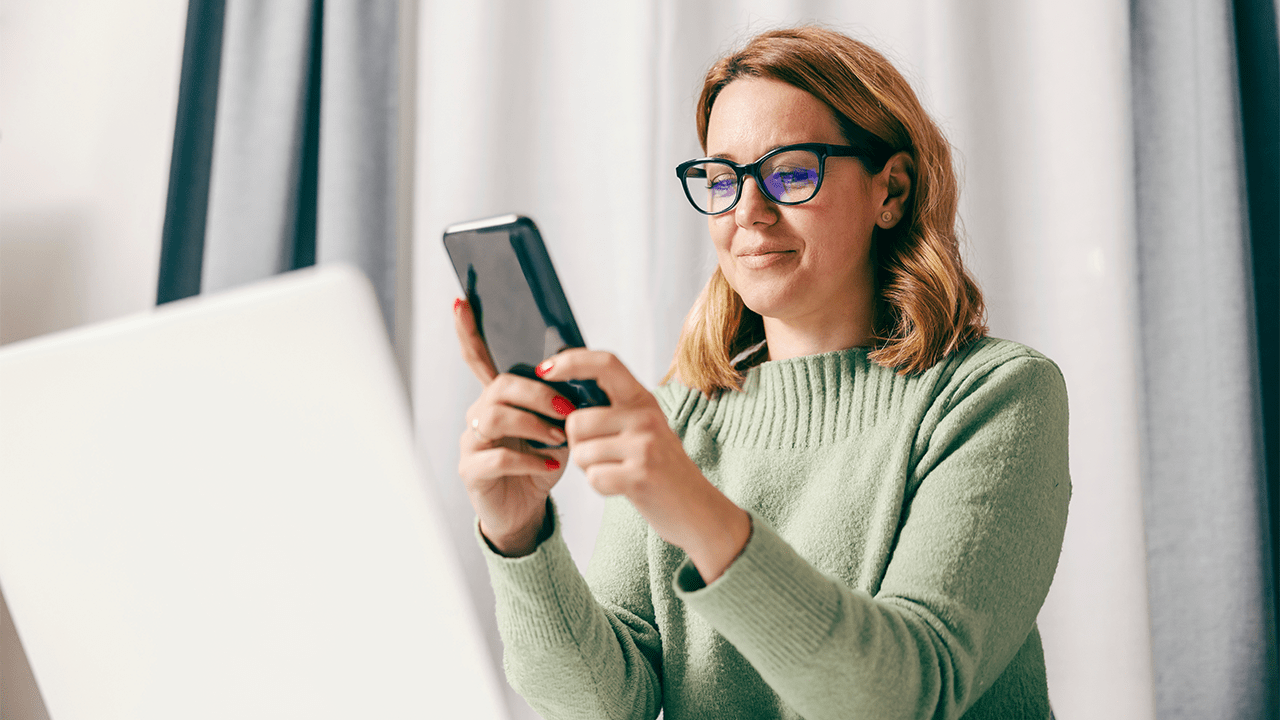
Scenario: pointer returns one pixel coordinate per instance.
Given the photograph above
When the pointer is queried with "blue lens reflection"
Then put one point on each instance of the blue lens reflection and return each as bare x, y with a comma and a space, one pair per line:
790, 184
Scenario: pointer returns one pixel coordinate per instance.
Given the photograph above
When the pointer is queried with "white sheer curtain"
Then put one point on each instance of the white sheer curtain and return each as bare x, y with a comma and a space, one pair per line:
576, 113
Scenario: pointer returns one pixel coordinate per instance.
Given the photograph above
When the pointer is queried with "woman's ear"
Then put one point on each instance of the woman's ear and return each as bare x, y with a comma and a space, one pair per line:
895, 180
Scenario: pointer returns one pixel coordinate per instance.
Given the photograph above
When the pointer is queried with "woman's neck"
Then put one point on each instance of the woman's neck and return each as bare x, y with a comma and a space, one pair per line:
788, 340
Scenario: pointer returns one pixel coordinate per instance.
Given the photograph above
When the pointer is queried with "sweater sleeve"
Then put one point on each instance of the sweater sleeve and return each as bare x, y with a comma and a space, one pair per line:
568, 654
978, 544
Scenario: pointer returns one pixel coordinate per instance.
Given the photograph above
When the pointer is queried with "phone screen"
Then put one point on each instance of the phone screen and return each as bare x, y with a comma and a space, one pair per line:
514, 293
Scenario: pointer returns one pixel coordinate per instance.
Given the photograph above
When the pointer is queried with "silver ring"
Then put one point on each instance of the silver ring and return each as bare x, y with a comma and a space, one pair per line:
475, 430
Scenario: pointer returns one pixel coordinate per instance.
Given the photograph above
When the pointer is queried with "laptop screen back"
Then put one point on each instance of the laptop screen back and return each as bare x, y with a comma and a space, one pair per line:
214, 511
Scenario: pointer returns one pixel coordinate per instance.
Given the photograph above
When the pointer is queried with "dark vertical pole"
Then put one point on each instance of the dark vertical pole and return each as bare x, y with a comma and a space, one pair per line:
1258, 56
182, 242
304, 238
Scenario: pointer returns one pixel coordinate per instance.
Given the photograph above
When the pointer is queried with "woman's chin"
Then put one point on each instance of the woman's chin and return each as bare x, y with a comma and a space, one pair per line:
765, 304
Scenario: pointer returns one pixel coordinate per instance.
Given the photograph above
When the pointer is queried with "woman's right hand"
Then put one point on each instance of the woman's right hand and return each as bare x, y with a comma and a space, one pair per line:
507, 479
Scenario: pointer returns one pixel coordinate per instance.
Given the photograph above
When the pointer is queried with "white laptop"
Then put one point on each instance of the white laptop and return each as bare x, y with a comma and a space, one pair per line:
214, 510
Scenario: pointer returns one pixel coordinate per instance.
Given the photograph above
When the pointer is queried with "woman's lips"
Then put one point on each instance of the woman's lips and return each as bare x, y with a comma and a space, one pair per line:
764, 259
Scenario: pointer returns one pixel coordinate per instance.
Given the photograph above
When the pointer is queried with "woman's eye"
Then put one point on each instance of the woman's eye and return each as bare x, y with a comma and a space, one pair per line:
795, 177
722, 185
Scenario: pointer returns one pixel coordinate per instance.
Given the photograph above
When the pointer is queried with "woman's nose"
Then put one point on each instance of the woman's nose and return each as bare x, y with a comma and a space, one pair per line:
753, 207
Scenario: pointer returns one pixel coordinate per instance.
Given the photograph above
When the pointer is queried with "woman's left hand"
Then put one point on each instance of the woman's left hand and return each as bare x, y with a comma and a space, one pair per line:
628, 449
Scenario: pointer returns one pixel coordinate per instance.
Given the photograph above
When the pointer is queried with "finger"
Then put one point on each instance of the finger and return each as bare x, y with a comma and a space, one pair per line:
531, 395
474, 351
598, 422
598, 451
603, 367
608, 478
490, 422
493, 464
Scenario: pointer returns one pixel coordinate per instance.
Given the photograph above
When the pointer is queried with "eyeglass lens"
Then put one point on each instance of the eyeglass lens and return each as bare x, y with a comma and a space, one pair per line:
789, 177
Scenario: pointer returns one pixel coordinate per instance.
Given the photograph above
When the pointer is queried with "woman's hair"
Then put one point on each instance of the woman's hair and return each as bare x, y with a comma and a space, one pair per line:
927, 305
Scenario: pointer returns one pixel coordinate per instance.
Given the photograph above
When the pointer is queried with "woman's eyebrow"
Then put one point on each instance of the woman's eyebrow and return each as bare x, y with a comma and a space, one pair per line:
729, 156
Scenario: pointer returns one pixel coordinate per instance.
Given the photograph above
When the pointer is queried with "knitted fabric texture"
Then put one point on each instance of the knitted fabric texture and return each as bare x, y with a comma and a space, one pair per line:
905, 531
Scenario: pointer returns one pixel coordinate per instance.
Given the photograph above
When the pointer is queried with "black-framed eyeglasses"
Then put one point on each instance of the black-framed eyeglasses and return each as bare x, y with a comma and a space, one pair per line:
789, 175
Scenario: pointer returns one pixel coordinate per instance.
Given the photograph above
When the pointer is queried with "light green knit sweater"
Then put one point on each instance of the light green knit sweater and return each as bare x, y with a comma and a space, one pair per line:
905, 531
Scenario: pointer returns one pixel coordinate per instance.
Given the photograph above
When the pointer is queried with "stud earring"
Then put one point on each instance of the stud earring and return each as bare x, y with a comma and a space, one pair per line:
886, 217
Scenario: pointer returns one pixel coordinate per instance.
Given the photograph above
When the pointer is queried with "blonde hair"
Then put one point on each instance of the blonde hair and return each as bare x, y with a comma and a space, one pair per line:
927, 305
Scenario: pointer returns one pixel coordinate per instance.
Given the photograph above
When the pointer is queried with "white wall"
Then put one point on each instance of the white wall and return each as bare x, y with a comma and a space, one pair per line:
88, 91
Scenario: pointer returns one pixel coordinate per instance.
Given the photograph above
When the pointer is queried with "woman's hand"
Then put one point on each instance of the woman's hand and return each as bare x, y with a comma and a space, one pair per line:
507, 479
628, 449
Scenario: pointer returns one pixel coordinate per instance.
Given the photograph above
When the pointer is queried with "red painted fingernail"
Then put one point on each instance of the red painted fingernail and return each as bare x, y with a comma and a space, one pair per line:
457, 303
543, 369
553, 464
562, 406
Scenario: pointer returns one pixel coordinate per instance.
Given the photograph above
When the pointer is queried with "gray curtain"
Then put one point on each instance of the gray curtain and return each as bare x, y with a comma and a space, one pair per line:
287, 148
1203, 74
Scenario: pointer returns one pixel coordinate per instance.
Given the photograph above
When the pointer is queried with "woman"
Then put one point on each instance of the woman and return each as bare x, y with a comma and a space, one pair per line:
844, 501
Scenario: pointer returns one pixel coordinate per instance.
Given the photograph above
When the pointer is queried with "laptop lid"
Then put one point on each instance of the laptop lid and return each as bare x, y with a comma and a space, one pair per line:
214, 510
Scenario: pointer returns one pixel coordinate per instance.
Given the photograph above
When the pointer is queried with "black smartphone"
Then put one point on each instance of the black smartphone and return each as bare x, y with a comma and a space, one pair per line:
519, 306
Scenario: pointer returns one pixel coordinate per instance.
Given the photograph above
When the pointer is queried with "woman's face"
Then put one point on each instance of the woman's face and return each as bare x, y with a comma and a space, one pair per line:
808, 264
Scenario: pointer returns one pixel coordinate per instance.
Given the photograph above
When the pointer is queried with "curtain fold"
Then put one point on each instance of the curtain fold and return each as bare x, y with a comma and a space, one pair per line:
358, 143
187, 205
1258, 55
262, 195
295, 105
1211, 598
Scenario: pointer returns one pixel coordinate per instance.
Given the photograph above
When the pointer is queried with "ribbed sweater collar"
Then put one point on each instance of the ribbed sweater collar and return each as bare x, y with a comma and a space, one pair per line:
801, 402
